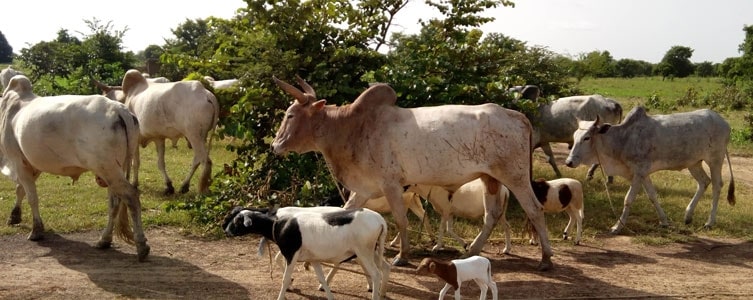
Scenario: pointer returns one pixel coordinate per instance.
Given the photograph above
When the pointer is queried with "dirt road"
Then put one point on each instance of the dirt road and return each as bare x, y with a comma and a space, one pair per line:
179, 267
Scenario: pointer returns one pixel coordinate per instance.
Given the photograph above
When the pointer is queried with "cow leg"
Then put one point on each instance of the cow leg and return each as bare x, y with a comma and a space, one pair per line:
136, 164
450, 225
629, 198
702, 182
105, 241
418, 210
131, 195
15, 214
653, 196
394, 195
26, 179
550, 158
160, 144
200, 156
716, 188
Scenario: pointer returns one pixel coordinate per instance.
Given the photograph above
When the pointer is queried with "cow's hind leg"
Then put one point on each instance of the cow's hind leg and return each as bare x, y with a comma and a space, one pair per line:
550, 158
716, 188
27, 181
200, 156
15, 214
702, 182
160, 144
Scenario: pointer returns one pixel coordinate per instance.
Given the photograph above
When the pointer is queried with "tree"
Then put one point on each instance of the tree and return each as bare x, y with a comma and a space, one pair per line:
629, 68
676, 63
598, 64
705, 69
6, 51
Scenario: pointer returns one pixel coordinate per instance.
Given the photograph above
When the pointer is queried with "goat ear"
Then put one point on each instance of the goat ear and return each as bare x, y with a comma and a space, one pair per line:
604, 128
432, 267
247, 221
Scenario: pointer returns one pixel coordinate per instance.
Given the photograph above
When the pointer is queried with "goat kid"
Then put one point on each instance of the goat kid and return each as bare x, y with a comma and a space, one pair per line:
457, 271
557, 195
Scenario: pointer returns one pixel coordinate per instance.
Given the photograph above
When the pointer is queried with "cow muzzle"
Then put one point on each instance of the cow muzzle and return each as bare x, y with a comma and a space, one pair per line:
570, 163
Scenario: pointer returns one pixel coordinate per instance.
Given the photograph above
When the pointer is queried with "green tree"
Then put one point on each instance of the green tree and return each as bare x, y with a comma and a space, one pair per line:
676, 63
6, 51
629, 68
705, 69
598, 64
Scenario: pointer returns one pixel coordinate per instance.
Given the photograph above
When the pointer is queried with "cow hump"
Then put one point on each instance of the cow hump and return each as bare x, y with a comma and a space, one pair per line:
634, 115
377, 95
132, 80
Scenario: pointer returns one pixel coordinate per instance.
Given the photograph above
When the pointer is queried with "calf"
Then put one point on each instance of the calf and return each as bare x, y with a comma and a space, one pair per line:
411, 200
455, 272
558, 195
317, 238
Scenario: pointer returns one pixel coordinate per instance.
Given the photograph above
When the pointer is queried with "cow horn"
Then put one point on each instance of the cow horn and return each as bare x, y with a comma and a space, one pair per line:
100, 85
306, 87
293, 91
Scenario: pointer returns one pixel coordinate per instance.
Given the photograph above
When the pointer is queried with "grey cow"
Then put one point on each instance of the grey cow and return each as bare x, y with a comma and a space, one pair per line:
644, 144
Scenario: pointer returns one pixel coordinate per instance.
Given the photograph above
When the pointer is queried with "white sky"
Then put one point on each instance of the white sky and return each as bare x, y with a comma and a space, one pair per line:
636, 29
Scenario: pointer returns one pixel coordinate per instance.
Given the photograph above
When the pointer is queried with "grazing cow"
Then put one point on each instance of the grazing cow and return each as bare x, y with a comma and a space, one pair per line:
6, 74
644, 144
555, 122
314, 237
173, 110
67, 136
374, 148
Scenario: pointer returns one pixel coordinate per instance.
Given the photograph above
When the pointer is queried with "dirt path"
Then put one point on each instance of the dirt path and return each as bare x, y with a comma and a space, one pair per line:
179, 267
68, 267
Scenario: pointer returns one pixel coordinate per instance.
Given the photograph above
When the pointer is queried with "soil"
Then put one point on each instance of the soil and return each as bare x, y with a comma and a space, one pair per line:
67, 266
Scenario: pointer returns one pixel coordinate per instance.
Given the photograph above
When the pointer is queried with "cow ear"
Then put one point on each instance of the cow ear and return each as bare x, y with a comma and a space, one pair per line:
432, 267
603, 128
319, 104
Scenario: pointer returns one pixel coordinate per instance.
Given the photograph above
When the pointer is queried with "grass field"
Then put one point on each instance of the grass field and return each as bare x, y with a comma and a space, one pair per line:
67, 207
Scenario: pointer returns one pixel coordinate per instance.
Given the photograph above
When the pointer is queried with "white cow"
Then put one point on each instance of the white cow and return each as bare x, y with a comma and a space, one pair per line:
6, 74
173, 110
67, 136
555, 122
221, 84
375, 148
644, 144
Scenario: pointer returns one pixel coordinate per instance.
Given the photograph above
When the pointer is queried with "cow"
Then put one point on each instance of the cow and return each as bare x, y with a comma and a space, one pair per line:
374, 148
173, 110
67, 136
6, 74
555, 122
644, 144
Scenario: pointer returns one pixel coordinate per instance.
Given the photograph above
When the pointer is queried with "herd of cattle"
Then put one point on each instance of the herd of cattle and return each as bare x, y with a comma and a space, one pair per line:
465, 160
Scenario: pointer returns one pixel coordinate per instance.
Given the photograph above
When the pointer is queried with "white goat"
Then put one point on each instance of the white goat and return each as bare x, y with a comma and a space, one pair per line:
317, 238
455, 272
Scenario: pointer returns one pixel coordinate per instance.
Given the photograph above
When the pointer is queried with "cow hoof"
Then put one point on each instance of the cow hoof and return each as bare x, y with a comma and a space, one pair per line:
169, 190
103, 244
15, 216
35, 236
143, 252
184, 189
546, 265
707, 226
399, 261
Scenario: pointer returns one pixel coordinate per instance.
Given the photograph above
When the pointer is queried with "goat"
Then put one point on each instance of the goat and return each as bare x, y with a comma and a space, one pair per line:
557, 195
455, 272
317, 238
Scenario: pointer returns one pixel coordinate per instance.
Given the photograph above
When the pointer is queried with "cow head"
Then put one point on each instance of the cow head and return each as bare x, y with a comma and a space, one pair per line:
296, 133
583, 150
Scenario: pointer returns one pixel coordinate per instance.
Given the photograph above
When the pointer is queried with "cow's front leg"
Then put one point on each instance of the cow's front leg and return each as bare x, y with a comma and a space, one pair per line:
635, 186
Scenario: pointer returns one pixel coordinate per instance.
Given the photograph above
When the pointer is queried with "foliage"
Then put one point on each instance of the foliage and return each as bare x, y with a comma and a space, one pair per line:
67, 64
676, 63
6, 51
705, 69
629, 68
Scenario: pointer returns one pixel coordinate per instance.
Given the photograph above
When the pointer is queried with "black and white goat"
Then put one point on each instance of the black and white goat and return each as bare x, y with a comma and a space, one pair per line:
562, 194
456, 271
318, 237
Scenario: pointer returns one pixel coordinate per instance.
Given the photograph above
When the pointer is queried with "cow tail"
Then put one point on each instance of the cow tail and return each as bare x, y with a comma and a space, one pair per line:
731, 189
215, 116
122, 222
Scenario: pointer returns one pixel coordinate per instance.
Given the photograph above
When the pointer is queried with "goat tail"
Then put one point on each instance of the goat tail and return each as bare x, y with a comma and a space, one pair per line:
122, 222
731, 189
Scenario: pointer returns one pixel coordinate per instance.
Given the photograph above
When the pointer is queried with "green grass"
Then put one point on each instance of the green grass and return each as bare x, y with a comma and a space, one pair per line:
68, 207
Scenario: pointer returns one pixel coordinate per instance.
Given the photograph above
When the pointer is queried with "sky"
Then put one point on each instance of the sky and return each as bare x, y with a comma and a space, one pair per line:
635, 29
